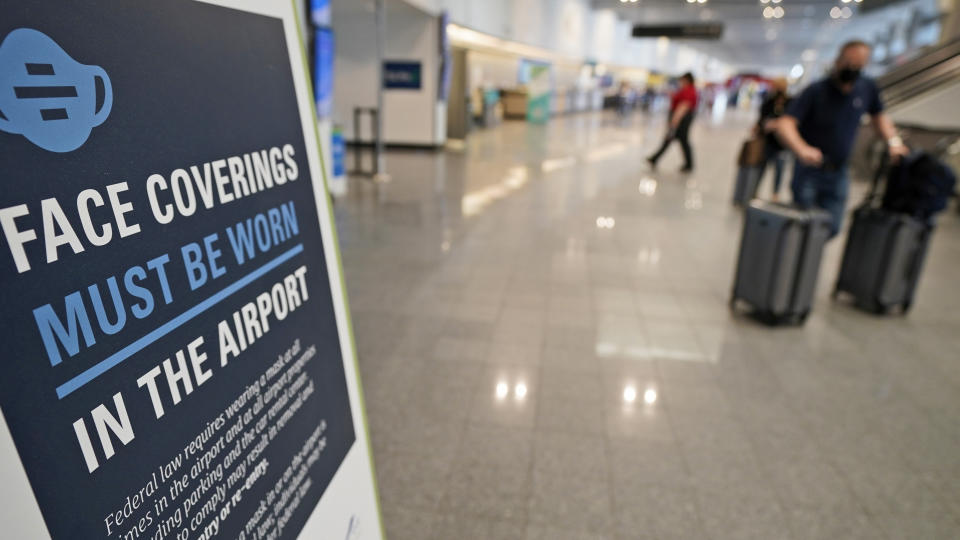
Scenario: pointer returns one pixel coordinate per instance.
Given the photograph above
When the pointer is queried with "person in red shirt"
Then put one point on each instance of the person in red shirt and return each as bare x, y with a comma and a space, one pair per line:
683, 104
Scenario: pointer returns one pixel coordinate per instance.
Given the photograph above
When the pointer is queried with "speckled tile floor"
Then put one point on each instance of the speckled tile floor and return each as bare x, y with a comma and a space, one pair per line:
547, 353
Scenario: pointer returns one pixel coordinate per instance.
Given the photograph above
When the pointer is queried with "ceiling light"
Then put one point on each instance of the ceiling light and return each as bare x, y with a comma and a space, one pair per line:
520, 391
768, 12
764, 1
845, 1
702, 1
834, 12
809, 55
797, 71
650, 396
630, 394
778, 12
776, 1
846, 12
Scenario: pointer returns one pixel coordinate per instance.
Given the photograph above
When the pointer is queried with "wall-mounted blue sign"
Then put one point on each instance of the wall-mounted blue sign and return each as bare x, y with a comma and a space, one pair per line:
323, 71
320, 12
402, 74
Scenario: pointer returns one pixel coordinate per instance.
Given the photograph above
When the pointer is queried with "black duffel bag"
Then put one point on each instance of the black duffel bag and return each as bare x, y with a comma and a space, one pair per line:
919, 185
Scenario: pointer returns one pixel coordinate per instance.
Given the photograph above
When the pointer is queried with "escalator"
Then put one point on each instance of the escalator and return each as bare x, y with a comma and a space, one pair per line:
922, 96
932, 70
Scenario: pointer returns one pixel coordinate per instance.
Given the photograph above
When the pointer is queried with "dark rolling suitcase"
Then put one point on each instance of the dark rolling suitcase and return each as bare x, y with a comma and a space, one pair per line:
779, 260
882, 259
886, 246
749, 166
748, 178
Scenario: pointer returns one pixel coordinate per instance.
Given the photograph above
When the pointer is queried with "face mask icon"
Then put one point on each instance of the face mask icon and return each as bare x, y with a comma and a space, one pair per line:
48, 97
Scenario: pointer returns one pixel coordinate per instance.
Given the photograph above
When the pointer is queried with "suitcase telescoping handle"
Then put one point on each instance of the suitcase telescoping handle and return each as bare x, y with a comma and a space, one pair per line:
882, 168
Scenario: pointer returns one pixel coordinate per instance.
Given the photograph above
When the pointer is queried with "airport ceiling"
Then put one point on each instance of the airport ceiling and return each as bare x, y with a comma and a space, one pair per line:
804, 32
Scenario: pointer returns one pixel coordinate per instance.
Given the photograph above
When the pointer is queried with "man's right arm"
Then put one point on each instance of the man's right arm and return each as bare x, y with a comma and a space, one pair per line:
789, 134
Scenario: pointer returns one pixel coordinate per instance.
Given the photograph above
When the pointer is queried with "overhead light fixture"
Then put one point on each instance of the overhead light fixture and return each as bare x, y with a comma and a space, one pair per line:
797, 71
778, 12
768, 12
835, 12
764, 1
846, 12
701, 1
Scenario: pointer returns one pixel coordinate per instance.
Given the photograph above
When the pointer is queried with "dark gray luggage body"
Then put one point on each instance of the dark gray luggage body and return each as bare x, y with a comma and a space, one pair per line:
882, 259
746, 187
779, 260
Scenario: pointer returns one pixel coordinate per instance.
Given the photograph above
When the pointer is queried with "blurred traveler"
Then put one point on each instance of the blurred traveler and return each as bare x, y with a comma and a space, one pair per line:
647, 99
820, 126
683, 104
773, 107
624, 98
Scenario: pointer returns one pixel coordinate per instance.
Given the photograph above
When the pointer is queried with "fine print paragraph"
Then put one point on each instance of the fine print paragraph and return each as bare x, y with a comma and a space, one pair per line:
194, 492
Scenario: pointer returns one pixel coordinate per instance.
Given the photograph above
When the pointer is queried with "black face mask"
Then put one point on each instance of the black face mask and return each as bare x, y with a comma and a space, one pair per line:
848, 75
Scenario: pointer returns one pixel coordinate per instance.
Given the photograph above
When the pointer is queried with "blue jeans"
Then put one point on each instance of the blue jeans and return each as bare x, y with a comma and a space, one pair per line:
822, 188
779, 159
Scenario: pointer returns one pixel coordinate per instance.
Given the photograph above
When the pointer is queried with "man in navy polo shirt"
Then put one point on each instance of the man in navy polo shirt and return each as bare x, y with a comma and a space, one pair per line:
821, 124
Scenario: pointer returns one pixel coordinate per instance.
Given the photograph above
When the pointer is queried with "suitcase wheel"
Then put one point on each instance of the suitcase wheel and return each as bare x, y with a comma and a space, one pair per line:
772, 319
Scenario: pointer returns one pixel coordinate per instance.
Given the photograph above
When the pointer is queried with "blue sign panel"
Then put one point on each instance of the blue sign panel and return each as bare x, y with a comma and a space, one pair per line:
401, 75
323, 71
172, 358
320, 12
338, 148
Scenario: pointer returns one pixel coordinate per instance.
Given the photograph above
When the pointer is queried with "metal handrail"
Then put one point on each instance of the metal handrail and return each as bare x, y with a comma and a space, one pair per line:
917, 65
933, 75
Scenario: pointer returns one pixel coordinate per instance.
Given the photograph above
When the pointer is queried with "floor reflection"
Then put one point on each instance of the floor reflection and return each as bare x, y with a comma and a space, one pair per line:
545, 345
